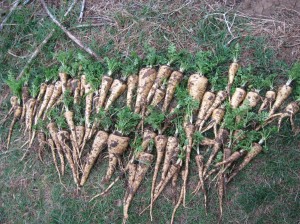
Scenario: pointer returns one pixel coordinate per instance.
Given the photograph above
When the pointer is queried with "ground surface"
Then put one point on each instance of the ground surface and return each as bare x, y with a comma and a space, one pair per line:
268, 191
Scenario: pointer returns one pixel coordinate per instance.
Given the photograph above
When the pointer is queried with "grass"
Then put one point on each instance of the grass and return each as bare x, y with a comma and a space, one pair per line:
267, 191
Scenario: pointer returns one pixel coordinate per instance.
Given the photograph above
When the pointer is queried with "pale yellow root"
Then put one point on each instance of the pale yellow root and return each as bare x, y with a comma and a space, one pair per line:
163, 73
146, 80
173, 82
117, 89
132, 83
197, 84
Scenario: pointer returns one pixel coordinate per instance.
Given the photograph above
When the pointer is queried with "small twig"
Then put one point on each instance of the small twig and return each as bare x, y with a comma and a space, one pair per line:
70, 35
70, 8
35, 53
12, 9
17, 56
37, 50
81, 11
89, 25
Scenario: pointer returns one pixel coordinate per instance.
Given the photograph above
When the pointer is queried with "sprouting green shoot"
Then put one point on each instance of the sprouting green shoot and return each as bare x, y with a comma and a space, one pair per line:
155, 119
185, 59
51, 74
246, 143
113, 65
126, 120
131, 65
68, 99
267, 133
219, 157
172, 54
236, 52
244, 76
65, 58
182, 152
246, 117
294, 73
93, 72
104, 119
40, 125
15, 85
55, 115
78, 109
152, 57
186, 101
35, 86
197, 138
136, 145
204, 62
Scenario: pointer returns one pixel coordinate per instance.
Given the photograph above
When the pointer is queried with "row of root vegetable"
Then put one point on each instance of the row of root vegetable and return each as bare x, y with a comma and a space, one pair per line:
158, 117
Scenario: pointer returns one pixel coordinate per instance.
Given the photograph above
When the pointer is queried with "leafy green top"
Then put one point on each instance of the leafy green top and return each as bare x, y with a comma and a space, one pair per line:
16, 85
126, 120
113, 65
132, 65
65, 58
155, 119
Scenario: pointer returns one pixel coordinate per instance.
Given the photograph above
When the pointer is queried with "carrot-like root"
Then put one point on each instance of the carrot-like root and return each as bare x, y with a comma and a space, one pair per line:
221, 184
132, 83
79, 129
69, 115
267, 102
163, 183
29, 117
197, 86
189, 131
173, 82
220, 98
207, 102
220, 140
131, 174
83, 83
217, 117
48, 94
200, 165
172, 144
283, 93
237, 97
231, 74
99, 144
174, 187
160, 145
63, 137
255, 150
14, 101
145, 160
57, 91
146, 79
42, 142
105, 86
25, 97
43, 88
116, 147
148, 136
17, 115
163, 73
52, 147
64, 81
157, 98
53, 133
252, 98
117, 89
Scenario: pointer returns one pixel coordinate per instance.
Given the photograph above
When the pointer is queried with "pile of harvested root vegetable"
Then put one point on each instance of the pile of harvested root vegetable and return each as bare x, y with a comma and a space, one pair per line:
154, 114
